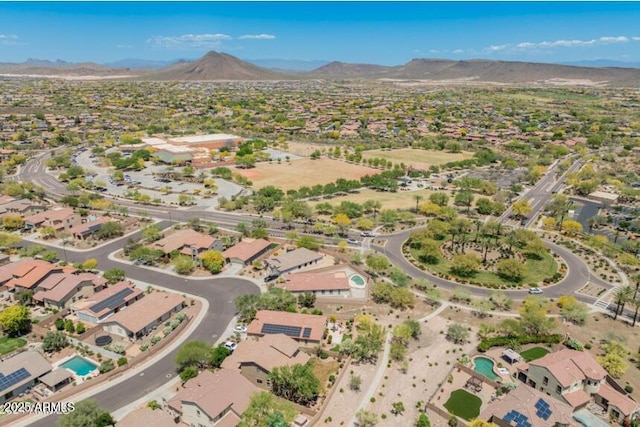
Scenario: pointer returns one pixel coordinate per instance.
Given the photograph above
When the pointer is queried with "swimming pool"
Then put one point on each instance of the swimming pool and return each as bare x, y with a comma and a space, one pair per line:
357, 280
485, 366
79, 365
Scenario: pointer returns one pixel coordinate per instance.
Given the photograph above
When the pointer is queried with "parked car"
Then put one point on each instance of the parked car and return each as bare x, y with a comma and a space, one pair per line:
367, 234
271, 277
535, 291
230, 345
352, 241
241, 329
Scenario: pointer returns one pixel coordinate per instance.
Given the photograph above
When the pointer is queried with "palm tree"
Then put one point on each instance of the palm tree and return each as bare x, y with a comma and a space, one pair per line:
635, 302
417, 198
622, 296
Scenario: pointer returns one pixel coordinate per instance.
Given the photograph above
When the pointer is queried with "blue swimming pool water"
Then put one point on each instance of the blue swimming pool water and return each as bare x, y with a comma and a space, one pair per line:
357, 280
79, 365
485, 367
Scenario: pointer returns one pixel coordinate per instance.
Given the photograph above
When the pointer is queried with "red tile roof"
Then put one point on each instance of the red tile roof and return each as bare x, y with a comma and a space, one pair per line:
185, 237
246, 249
303, 282
315, 323
569, 366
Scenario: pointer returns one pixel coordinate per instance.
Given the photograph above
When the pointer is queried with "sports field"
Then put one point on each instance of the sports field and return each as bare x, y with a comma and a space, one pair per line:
303, 172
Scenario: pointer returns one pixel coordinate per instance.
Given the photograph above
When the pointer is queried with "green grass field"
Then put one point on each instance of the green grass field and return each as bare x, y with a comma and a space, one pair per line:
7, 345
537, 270
534, 353
420, 159
464, 404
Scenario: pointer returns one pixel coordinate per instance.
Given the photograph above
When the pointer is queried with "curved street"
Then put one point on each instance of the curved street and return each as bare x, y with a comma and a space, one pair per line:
221, 292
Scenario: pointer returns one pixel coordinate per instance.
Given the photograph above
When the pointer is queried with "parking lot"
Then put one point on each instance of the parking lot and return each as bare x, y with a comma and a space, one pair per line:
147, 182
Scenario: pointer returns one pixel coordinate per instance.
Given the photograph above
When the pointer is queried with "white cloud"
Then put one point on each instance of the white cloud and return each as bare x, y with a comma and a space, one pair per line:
573, 43
124, 46
257, 37
458, 51
496, 48
434, 51
8, 39
635, 39
189, 40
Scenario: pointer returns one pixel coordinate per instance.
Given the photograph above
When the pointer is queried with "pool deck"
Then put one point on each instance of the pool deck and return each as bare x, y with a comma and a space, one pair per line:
78, 378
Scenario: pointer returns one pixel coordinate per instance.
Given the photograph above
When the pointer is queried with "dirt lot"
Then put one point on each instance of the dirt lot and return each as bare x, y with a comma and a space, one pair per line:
419, 159
305, 149
298, 173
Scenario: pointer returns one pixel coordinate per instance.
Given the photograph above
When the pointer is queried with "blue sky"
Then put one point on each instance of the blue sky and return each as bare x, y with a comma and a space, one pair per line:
388, 33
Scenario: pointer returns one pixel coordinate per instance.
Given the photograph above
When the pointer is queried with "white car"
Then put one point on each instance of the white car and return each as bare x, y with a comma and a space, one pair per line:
367, 234
230, 345
240, 329
352, 241
535, 291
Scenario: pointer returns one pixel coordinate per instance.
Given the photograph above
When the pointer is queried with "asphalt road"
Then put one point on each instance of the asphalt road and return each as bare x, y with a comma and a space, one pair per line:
218, 292
578, 272
221, 292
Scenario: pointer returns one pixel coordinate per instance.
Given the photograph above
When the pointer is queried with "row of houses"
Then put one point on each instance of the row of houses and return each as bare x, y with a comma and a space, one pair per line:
37, 215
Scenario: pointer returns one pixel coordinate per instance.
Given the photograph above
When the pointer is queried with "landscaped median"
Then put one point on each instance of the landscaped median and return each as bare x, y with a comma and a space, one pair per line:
484, 256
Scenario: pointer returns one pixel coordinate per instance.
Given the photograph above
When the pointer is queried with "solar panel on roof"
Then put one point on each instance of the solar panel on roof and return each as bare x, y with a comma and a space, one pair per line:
306, 333
291, 331
113, 301
13, 378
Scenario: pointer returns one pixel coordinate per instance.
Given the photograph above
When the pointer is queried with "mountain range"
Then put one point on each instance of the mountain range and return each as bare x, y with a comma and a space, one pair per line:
221, 66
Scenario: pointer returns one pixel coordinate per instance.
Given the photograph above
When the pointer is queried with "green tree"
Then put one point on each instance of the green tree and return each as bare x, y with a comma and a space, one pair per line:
15, 320
12, 222
213, 261
90, 264
307, 299
151, 233
457, 333
217, 356
308, 242
464, 198
183, 264
521, 208
377, 263
465, 265
571, 227
511, 270
87, 413
423, 420
263, 406
114, 275
533, 317
188, 372
8, 241
614, 358
54, 341
24, 298
296, 383
109, 230
193, 353
439, 198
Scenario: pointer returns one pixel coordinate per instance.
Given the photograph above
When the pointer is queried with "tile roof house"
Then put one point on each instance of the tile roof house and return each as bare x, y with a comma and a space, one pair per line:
21, 372
140, 318
255, 359
575, 378
188, 242
87, 228
212, 399
294, 260
59, 290
21, 207
533, 406
304, 328
59, 219
246, 251
26, 274
108, 301
332, 284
